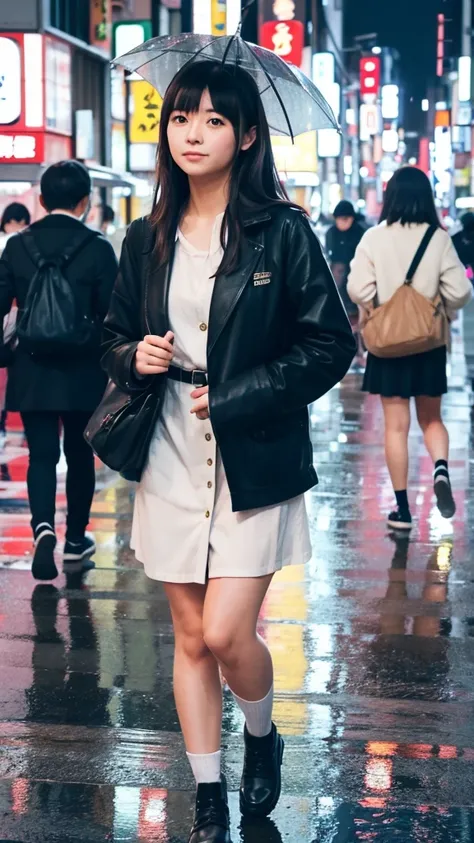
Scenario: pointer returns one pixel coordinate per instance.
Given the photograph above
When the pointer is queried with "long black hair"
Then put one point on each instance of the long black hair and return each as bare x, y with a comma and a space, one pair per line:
15, 212
254, 182
409, 199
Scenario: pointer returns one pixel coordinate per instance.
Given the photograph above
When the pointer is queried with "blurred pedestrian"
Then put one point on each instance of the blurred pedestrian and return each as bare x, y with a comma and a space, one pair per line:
107, 226
15, 218
220, 506
379, 268
60, 388
464, 240
464, 245
342, 240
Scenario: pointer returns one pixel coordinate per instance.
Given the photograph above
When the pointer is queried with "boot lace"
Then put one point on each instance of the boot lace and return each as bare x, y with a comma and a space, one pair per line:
210, 811
258, 763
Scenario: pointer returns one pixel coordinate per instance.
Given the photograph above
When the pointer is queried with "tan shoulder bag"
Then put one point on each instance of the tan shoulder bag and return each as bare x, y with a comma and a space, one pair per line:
408, 323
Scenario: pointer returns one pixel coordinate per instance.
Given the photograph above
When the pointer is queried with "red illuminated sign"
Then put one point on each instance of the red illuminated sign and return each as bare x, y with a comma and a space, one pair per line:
31, 132
22, 149
369, 76
285, 38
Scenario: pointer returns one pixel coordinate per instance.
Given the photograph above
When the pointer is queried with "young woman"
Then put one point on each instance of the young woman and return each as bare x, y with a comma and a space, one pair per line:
379, 267
225, 300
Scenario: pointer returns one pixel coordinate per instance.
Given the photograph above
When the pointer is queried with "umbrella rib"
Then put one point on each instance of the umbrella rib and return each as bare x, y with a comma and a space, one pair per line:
229, 45
272, 84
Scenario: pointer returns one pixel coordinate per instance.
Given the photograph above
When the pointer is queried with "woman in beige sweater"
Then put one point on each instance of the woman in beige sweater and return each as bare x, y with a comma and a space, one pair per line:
379, 268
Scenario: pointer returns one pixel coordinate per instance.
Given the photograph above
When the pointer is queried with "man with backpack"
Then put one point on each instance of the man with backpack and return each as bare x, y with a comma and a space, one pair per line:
61, 274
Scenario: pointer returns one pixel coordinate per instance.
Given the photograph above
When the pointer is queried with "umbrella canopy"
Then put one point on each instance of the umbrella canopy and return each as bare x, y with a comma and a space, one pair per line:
292, 102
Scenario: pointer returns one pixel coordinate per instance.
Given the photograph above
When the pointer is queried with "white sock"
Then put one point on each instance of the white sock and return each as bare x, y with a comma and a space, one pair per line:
258, 715
206, 768
441, 472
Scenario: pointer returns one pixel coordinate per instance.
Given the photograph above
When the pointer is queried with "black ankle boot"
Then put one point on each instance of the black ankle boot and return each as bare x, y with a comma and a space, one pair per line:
211, 817
260, 787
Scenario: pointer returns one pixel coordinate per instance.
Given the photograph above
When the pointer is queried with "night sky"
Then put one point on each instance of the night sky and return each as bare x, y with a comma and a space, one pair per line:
410, 27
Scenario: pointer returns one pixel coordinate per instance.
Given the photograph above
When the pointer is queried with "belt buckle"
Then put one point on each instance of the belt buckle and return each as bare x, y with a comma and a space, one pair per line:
198, 377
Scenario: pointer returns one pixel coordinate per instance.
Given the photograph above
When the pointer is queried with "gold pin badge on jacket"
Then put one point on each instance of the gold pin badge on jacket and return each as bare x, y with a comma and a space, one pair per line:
261, 278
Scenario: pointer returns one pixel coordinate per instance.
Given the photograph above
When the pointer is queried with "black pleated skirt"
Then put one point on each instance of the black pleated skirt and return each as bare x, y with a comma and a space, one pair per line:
407, 377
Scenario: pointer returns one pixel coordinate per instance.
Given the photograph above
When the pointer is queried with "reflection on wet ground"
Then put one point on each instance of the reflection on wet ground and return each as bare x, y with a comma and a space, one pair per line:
374, 659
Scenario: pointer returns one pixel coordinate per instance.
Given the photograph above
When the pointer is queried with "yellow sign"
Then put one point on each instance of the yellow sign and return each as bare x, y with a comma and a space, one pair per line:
299, 157
218, 17
145, 113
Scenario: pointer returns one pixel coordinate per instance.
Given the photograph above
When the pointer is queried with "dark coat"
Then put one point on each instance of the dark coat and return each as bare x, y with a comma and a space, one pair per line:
278, 339
56, 384
464, 244
341, 245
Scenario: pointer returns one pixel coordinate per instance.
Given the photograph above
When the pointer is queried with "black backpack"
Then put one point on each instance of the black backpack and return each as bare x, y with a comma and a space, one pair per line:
52, 321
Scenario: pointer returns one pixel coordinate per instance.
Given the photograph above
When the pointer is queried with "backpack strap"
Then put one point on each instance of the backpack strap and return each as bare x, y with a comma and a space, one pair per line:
67, 255
419, 253
31, 247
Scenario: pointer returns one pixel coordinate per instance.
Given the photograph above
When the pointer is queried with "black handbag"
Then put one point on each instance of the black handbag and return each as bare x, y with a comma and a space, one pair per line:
121, 429
122, 426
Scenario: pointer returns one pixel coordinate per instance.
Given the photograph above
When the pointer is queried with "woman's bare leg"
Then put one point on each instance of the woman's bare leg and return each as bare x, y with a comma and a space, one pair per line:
397, 427
435, 433
231, 610
197, 686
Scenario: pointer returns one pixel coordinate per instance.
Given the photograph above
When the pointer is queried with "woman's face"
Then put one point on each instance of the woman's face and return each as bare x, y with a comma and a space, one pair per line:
13, 227
203, 143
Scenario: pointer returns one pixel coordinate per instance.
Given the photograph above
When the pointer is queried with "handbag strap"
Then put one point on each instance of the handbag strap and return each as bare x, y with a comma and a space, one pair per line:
419, 253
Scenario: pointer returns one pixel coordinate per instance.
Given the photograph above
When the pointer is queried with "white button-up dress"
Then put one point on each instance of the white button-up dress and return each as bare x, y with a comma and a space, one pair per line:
184, 530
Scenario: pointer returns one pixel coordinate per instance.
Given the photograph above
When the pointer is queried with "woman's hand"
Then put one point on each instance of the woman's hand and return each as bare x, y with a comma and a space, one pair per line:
201, 407
154, 355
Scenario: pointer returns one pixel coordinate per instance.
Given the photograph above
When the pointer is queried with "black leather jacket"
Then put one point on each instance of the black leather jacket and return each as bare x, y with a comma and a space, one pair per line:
278, 339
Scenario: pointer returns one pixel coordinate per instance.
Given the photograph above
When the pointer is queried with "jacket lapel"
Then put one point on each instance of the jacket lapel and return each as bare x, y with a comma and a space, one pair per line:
229, 288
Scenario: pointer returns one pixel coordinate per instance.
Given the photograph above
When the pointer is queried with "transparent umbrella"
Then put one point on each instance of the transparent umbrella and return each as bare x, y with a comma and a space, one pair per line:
292, 102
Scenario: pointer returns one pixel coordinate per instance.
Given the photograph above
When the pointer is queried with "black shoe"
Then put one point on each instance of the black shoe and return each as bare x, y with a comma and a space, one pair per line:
43, 567
444, 498
211, 817
77, 551
260, 787
399, 520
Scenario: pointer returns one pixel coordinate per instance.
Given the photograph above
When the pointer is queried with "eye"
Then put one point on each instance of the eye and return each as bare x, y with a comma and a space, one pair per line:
216, 121
180, 119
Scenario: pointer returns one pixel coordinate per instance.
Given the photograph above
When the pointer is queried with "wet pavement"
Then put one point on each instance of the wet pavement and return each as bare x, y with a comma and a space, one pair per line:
373, 643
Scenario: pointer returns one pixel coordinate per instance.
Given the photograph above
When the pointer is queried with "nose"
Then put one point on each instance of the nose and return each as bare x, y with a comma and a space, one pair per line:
194, 130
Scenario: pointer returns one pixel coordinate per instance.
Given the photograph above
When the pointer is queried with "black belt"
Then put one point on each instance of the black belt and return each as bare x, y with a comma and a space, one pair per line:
195, 378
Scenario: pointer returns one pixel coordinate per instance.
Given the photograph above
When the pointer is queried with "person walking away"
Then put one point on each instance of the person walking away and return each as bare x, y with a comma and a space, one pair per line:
59, 388
220, 506
464, 245
342, 240
15, 218
379, 268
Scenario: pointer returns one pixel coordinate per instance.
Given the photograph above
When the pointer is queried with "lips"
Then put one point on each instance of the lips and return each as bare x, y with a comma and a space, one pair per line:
194, 155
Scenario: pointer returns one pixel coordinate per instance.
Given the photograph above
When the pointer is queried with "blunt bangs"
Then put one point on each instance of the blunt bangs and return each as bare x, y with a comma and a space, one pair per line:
222, 85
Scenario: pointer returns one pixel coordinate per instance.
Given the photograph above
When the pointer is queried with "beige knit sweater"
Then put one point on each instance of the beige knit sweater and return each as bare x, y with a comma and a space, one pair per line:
383, 258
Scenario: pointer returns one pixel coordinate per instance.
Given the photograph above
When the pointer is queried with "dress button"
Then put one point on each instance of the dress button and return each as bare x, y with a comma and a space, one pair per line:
207, 513
203, 326
208, 437
209, 462
209, 484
